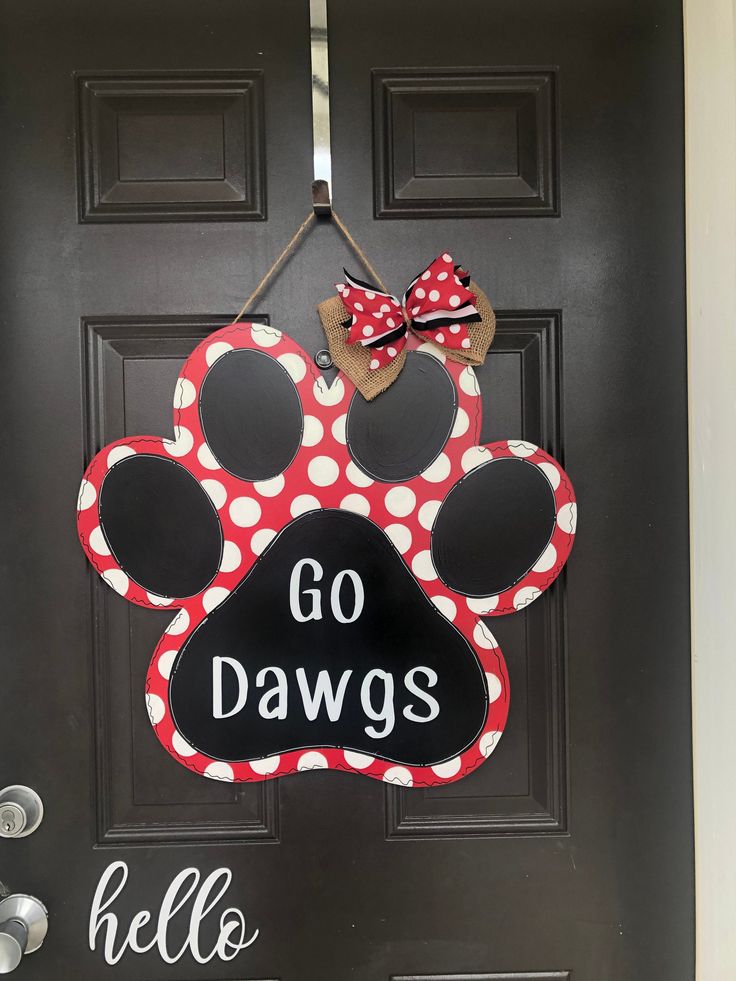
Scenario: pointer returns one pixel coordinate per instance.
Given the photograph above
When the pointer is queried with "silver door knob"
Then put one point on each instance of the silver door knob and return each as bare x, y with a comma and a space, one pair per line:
21, 811
23, 925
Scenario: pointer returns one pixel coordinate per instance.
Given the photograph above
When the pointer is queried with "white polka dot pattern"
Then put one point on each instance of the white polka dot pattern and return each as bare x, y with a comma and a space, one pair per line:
495, 688
461, 425
294, 365
265, 336
567, 518
213, 597
399, 775
468, 382
206, 458
356, 503
439, 470
184, 394
552, 474
329, 394
482, 604
483, 636
312, 761
155, 600
181, 746
323, 471
179, 624
245, 512
216, 351
97, 542
87, 496
118, 453
524, 596
165, 663
117, 579
313, 431
400, 536
268, 764
231, 557
400, 501
338, 429
261, 540
476, 456
220, 771
270, 488
323, 475
303, 503
156, 708
181, 444
422, 567
356, 476
447, 769
546, 560
446, 606
488, 742
216, 492
520, 448
428, 348
427, 513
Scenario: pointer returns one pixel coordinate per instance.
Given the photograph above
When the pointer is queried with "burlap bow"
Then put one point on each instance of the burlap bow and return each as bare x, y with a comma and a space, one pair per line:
367, 329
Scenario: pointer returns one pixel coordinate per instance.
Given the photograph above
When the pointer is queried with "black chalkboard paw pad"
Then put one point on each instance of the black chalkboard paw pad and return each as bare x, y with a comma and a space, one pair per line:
352, 615
326, 562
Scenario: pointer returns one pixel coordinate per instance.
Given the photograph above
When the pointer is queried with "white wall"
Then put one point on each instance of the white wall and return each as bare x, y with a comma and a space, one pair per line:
710, 57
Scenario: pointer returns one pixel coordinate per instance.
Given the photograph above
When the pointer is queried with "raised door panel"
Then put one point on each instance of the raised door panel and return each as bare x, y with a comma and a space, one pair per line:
131, 367
171, 146
505, 976
464, 143
523, 787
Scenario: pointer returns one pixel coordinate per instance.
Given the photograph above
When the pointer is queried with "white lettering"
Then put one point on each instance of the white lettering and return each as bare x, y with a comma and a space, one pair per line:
322, 692
294, 591
280, 691
327, 693
169, 908
386, 713
232, 933
230, 921
201, 908
429, 700
242, 679
96, 920
358, 591
139, 920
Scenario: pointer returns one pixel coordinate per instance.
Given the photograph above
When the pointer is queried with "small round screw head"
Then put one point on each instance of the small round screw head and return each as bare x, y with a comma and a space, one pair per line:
323, 359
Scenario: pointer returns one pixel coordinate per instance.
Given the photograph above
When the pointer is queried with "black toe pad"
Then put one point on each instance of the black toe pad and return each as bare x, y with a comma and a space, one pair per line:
398, 435
493, 526
251, 415
160, 525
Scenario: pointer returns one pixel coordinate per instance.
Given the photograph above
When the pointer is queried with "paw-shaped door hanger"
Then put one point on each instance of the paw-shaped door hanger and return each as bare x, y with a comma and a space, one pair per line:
328, 560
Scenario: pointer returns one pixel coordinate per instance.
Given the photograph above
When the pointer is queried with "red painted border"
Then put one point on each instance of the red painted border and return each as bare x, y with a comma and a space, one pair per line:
252, 513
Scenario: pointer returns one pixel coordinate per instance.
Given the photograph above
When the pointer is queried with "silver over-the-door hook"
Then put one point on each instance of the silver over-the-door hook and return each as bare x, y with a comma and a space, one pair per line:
322, 183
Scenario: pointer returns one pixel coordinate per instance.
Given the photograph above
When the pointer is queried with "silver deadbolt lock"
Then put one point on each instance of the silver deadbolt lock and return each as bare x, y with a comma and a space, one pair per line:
21, 812
23, 925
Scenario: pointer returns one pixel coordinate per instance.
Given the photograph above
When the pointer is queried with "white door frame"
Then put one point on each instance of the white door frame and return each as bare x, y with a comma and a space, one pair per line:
710, 109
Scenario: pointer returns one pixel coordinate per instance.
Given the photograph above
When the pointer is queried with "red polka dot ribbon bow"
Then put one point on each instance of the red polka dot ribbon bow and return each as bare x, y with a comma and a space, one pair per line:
437, 306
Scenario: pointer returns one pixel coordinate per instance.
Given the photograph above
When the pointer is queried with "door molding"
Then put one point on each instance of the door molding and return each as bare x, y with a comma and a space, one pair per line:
710, 110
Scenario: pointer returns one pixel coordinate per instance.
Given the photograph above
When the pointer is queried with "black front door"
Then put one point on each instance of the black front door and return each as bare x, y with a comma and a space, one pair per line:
156, 157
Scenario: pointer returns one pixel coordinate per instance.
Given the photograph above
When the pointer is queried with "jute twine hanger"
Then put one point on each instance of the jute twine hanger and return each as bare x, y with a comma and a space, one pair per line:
291, 247
353, 355
354, 360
